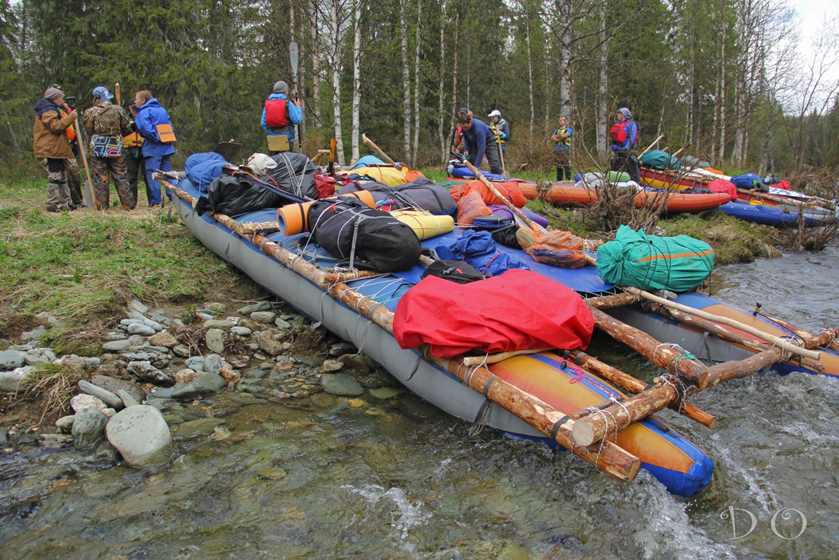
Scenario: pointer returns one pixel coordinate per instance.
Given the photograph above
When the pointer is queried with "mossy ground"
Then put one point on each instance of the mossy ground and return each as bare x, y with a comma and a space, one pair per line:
83, 266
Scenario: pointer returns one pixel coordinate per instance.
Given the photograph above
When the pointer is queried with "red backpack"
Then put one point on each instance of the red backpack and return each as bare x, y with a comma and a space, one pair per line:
276, 113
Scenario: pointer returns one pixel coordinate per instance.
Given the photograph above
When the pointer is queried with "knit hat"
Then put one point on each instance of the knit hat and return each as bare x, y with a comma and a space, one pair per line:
280, 87
53, 92
625, 112
101, 92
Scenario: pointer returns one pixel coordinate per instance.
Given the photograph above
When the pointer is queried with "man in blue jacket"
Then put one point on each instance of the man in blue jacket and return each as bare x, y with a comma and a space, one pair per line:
479, 140
155, 126
280, 114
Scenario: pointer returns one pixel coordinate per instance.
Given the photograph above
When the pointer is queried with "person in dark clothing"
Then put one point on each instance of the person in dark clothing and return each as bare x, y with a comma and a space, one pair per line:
561, 138
478, 140
625, 135
49, 141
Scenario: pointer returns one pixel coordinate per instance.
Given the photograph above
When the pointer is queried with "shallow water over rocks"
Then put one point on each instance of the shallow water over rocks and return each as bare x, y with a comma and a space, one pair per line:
393, 477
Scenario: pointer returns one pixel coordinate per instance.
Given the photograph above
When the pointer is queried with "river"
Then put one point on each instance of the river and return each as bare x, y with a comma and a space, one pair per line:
321, 478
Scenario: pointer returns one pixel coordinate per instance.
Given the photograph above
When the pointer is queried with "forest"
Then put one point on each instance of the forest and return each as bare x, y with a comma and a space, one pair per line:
729, 80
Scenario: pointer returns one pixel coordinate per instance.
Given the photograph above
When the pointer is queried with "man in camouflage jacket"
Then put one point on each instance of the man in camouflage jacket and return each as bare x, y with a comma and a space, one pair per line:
106, 124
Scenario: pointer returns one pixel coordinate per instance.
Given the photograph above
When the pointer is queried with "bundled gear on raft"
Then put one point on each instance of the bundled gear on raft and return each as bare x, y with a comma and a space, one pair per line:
649, 262
421, 194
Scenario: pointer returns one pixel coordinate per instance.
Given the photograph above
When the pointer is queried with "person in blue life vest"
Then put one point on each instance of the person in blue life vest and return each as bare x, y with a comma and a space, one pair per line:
478, 140
280, 114
154, 125
625, 134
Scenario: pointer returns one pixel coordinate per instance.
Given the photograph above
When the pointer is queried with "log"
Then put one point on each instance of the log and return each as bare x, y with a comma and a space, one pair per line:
743, 368
665, 356
779, 342
633, 385
377, 149
825, 339
612, 301
500, 357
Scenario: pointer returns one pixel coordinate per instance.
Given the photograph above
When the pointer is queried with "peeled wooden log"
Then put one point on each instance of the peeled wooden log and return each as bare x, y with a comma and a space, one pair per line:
634, 385
742, 368
613, 300
666, 356
513, 208
373, 146
772, 339
827, 338
500, 357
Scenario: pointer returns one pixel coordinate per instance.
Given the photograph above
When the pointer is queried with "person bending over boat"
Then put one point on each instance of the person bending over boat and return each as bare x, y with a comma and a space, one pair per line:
49, 141
625, 135
279, 117
478, 140
561, 138
155, 126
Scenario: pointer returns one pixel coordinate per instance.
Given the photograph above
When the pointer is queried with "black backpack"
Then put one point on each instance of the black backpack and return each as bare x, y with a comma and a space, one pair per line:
457, 271
369, 238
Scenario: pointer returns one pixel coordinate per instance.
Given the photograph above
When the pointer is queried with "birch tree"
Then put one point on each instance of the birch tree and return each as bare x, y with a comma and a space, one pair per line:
603, 82
406, 80
441, 135
356, 77
417, 78
336, 32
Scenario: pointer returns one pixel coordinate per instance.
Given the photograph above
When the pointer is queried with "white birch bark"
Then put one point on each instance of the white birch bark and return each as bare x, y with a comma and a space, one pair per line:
417, 78
566, 13
406, 81
356, 78
441, 134
336, 17
603, 84
529, 75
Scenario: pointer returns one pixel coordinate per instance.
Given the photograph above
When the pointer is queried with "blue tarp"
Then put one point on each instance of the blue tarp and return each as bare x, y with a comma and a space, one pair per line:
203, 168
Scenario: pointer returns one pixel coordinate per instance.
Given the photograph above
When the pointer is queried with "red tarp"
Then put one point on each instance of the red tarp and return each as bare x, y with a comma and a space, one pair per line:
518, 310
723, 186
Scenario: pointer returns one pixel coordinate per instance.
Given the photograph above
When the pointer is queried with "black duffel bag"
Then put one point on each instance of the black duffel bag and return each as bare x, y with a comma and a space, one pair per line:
422, 194
381, 242
295, 173
239, 195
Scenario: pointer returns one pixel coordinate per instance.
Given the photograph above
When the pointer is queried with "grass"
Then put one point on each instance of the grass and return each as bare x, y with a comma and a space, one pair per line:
82, 267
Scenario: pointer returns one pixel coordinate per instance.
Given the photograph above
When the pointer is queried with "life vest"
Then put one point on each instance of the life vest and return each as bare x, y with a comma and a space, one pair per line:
70, 131
276, 113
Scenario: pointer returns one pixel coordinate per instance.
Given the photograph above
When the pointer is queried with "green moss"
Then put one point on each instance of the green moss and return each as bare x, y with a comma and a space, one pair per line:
733, 240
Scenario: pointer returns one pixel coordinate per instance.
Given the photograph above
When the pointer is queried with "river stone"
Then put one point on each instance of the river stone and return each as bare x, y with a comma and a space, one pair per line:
198, 427
140, 434
341, 384
138, 306
268, 342
116, 385
213, 363
384, 393
88, 428
33, 335
329, 366
163, 338
83, 401
215, 340
116, 345
10, 380
140, 328
181, 351
196, 363
204, 384
104, 395
185, 375
214, 307
253, 307
263, 316
127, 398
11, 359
65, 423
241, 331
219, 324
47, 319
341, 348
282, 324
144, 371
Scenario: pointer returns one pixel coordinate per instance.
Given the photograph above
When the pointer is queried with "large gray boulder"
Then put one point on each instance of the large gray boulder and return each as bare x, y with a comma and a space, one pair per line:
11, 359
140, 434
88, 428
11, 381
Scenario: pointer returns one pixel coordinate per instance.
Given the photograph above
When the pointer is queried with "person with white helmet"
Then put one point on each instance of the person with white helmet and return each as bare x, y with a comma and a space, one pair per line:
501, 124
280, 114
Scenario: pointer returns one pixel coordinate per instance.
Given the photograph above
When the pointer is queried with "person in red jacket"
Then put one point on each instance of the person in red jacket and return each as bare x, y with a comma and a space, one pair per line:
624, 134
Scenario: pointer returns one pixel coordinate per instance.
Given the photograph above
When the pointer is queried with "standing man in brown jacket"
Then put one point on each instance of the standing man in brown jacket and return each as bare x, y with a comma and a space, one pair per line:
106, 124
49, 141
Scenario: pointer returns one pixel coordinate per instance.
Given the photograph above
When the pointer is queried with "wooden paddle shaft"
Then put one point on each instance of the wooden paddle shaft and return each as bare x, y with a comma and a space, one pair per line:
779, 342
377, 149
513, 208
83, 152
648, 148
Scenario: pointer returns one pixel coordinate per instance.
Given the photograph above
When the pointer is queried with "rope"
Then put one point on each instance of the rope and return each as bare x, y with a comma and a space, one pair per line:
681, 354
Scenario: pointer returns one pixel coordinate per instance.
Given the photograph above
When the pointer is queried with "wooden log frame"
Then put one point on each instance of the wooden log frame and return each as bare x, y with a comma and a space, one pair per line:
613, 300
608, 456
633, 385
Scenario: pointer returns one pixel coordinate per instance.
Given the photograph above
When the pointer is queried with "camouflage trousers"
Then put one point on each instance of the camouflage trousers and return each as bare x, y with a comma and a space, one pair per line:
58, 195
74, 182
103, 169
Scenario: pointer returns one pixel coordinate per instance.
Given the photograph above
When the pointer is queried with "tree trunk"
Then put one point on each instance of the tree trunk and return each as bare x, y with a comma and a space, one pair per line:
336, 78
529, 79
356, 78
441, 134
301, 77
603, 86
455, 49
566, 13
316, 75
406, 82
417, 78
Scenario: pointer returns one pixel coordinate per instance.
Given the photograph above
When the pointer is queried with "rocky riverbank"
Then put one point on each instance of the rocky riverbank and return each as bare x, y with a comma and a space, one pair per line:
158, 376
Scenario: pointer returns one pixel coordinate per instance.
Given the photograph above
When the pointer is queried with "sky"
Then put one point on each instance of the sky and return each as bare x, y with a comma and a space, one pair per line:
811, 18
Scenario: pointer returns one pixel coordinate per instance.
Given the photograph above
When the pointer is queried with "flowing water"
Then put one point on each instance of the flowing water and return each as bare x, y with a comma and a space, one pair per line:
321, 478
